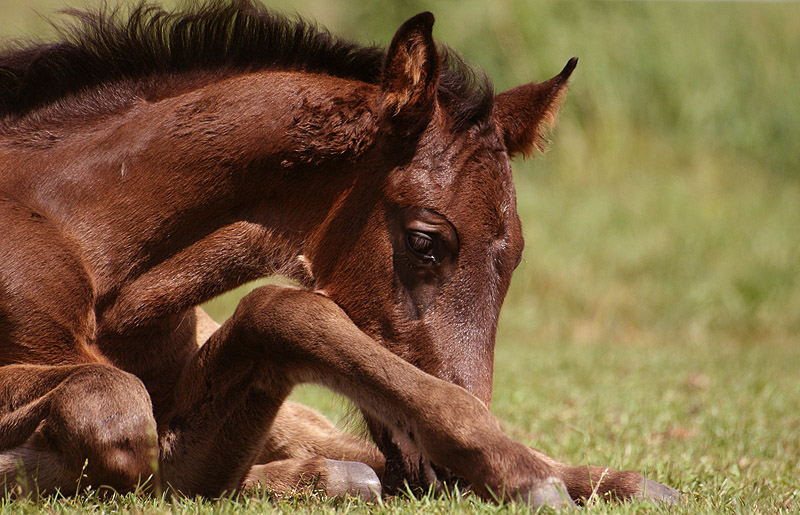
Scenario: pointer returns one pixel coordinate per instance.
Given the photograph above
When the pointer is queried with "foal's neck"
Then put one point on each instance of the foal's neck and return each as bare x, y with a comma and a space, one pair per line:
222, 185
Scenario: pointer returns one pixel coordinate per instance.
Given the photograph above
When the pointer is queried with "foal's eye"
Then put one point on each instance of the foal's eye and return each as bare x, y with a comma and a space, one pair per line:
421, 245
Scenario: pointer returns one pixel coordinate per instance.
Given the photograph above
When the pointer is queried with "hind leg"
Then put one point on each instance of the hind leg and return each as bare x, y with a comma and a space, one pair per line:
64, 428
333, 477
304, 449
299, 432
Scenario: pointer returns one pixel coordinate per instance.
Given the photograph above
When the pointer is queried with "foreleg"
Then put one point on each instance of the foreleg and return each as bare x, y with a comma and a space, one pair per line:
280, 337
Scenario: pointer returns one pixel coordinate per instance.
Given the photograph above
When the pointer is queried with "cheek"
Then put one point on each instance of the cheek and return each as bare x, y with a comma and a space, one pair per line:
417, 288
355, 271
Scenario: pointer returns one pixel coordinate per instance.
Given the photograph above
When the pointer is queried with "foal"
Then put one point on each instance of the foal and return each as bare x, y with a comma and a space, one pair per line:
152, 162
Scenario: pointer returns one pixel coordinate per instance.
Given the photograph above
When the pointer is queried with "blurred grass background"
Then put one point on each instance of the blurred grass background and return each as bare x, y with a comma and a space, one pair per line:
655, 321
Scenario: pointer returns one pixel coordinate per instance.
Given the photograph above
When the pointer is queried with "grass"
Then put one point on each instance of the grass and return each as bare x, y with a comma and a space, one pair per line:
655, 321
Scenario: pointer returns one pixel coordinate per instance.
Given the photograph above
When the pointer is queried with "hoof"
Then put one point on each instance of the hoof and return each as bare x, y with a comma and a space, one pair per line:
551, 492
656, 492
352, 478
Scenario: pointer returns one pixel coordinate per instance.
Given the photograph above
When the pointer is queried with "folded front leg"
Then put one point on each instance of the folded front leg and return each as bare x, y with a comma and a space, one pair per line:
295, 336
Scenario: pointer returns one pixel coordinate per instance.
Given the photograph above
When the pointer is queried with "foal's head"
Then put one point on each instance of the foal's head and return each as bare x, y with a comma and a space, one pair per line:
429, 257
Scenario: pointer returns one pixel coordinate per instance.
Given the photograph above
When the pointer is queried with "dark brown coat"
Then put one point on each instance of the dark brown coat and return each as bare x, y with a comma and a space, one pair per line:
148, 164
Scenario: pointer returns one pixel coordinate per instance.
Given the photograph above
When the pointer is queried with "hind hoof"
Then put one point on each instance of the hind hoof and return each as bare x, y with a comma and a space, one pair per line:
353, 479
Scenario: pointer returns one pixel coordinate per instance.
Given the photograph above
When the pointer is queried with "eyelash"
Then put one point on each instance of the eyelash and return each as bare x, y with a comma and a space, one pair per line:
421, 245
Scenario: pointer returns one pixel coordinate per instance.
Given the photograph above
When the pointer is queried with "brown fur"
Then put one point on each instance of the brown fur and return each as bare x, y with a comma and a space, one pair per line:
129, 196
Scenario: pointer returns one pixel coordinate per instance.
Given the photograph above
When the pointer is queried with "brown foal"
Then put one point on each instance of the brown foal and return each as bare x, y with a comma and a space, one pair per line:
151, 161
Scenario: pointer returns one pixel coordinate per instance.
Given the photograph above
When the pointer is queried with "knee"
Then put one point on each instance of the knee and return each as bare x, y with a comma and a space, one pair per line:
286, 311
106, 424
266, 302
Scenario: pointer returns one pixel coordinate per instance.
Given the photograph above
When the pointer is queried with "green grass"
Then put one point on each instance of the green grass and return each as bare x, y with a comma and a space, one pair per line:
655, 321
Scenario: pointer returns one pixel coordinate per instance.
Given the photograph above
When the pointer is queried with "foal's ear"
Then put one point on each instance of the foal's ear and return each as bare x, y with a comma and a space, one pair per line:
410, 76
525, 113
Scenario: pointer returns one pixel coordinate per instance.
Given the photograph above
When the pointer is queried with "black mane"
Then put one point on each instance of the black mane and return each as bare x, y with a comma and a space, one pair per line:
226, 37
